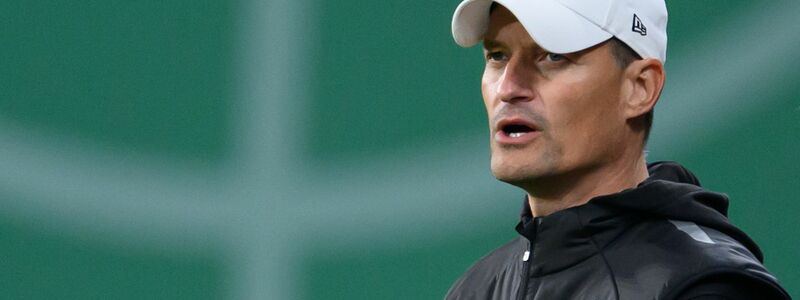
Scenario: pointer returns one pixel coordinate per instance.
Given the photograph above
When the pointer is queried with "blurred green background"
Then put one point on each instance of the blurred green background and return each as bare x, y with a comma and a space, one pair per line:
326, 149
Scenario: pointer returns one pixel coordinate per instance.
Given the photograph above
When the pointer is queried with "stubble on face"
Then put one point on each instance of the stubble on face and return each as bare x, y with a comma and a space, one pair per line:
510, 163
573, 104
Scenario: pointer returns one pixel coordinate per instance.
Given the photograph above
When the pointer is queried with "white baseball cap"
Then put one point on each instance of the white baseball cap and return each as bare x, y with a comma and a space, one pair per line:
565, 26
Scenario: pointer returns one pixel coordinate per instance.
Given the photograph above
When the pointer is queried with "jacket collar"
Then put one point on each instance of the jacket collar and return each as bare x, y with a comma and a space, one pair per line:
568, 237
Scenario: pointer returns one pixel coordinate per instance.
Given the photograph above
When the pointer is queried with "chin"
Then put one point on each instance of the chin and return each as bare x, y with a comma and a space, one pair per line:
522, 169
512, 173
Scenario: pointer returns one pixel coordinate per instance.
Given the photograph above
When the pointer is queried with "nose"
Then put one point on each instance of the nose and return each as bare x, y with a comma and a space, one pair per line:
516, 82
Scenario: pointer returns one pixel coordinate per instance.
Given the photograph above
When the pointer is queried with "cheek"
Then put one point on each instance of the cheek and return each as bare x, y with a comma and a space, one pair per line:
488, 83
581, 115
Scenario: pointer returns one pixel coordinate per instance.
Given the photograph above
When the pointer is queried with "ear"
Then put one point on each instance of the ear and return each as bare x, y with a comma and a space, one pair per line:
646, 78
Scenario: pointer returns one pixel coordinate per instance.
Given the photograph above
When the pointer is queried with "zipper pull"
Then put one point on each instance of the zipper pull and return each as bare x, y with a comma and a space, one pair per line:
526, 255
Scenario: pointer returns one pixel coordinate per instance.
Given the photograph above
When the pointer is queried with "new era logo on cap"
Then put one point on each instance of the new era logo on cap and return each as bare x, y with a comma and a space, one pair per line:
566, 26
638, 26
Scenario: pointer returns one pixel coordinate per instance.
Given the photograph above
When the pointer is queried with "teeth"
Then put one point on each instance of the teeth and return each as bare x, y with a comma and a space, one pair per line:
516, 134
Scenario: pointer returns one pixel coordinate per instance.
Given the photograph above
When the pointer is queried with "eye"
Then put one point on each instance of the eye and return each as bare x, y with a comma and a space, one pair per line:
496, 56
555, 57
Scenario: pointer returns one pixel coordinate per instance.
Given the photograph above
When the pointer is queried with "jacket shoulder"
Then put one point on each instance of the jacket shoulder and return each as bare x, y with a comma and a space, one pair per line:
484, 278
663, 257
724, 259
730, 285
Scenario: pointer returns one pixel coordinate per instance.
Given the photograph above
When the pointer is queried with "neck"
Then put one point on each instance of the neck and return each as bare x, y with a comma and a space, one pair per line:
575, 189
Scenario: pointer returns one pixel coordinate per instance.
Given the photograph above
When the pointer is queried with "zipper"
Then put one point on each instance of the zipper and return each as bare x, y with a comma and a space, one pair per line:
526, 265
527, 259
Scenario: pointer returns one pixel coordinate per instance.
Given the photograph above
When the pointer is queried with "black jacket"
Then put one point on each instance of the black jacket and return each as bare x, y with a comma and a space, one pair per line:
664, 239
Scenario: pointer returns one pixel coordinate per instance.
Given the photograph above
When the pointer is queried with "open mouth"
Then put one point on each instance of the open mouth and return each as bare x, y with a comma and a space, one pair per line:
516, 130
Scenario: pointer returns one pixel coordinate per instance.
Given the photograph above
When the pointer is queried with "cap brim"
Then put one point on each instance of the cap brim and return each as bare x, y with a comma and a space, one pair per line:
551, 25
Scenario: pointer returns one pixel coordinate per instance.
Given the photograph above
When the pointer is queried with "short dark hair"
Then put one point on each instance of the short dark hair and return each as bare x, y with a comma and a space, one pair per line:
624, 56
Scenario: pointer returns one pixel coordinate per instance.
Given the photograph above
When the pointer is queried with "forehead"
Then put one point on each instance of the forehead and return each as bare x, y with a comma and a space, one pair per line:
500, 15
505, 31
504, 28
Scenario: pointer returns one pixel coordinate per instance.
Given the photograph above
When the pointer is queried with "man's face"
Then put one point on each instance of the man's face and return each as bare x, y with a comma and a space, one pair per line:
550, 116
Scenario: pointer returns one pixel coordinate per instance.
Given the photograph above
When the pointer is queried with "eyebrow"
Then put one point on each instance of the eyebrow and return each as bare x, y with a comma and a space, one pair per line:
492, 44
487, 44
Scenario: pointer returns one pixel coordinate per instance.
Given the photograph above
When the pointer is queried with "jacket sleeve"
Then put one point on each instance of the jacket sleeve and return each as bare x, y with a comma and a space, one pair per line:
731, 287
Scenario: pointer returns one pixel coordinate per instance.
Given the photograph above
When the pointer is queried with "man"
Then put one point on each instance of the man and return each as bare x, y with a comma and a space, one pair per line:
569, 88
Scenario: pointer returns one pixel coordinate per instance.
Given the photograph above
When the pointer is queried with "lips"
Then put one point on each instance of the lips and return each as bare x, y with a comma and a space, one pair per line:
515, 131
